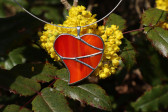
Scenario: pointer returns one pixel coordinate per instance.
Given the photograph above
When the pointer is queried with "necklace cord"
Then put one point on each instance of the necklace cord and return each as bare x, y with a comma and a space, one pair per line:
64, 26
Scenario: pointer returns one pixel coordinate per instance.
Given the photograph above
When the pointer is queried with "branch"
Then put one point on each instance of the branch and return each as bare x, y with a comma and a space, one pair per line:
147, 3
140, 29
66, 4
91, 5
137, 2
75, 3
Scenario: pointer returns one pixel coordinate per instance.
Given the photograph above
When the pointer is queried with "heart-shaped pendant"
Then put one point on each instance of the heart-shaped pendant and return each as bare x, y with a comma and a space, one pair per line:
80, 54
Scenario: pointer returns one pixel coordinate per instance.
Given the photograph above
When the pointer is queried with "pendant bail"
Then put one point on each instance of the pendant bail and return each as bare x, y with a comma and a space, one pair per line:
78, 31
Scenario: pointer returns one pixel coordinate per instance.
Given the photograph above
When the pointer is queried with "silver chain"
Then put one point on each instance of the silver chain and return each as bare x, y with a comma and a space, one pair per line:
69, 27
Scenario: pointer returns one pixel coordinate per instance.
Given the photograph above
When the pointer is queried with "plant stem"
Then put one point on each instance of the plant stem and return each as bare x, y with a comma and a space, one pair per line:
75, 3
66, 4
90, 6
27, 102
133, 31
53, 82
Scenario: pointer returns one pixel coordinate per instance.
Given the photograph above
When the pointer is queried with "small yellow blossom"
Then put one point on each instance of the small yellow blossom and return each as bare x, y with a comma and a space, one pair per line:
78, 16
163, 5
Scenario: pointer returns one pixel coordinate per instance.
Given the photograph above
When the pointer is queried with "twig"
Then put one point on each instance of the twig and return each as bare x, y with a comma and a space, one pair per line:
133, 30
28, 102
137, 2
38, 93
91, 5
55, 78
66, 4
75, 3
147, 3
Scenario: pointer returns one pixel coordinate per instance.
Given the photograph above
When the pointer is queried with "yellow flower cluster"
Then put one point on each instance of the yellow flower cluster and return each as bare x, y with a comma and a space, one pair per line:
112, 39
164, 25
163, 5
78, 16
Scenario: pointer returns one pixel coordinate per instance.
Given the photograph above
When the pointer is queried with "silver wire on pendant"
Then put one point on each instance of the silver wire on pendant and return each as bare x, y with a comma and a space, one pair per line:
64, 26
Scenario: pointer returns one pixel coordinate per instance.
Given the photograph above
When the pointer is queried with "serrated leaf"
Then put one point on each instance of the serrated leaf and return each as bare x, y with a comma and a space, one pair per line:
128, 54
152, 100
50, 100
18, 84
154, 70
15, 108
152, 16
63, 74
90, 94
7, 77
115, 19
159, 38
40, 72
25, 86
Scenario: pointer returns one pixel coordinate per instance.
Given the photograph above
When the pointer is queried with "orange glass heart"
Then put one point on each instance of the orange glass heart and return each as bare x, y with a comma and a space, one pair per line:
81, 55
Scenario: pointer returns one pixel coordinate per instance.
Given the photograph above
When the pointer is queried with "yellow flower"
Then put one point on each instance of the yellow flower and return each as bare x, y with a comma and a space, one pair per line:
78, 16
163, 5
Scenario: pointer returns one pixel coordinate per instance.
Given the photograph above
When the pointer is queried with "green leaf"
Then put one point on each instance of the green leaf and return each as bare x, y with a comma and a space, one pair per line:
25, 86
154, 70
90, 94
50, 100
16, 56
18, 84
63, 74
26, 53
128, 54
7, 64
15, 108
159, 38
22, 55
152, 16
115, 19
40, 72
152, 100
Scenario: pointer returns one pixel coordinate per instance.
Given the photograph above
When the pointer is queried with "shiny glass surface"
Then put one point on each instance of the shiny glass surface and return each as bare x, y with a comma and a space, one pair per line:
70, 49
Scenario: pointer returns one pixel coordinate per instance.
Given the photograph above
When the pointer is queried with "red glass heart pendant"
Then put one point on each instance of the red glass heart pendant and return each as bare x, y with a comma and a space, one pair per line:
80, 54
